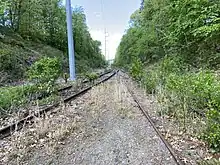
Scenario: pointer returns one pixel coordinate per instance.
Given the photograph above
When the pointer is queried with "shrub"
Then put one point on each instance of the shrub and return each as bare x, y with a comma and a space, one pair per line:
198, 91
44, 73
45, 70
11, 62
184, 92
12, 98
212, 133
136, 69
91, 76
151, 81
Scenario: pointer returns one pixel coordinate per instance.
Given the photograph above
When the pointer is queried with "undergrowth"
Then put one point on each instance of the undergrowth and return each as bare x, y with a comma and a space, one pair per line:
42, 75
184, 92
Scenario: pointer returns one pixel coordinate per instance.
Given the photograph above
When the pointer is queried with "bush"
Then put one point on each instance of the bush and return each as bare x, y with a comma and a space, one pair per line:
11, 62
185, 92
200, 91
91, 76
197, 88
136, 69
45, 70
212, 132
151, 81
159, 74
44, 73
12, 98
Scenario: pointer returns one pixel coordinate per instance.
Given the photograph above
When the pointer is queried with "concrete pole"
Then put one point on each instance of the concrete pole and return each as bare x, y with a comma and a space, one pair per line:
105, 43
70, 40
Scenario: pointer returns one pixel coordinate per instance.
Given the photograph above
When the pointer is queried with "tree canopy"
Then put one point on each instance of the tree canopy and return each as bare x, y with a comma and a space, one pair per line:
44, 21
189, 29
172, 48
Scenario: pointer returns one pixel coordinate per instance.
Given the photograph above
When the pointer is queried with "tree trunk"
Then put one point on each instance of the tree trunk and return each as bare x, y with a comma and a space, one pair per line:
11, 17
19, 15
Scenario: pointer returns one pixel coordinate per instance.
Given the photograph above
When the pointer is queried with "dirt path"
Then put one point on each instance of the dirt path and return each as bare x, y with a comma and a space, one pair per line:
109, 129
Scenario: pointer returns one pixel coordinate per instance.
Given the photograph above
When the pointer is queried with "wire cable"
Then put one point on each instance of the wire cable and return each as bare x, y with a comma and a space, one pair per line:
103, 19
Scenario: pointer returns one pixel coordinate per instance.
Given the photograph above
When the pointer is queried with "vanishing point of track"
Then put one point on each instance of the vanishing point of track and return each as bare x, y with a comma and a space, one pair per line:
8, 130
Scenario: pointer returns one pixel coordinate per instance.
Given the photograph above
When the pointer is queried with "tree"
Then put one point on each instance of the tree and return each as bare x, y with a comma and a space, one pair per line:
187, 28
45, 21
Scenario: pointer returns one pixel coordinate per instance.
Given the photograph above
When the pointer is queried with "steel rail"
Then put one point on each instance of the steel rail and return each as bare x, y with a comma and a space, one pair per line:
85, 81
10, 129
168, 146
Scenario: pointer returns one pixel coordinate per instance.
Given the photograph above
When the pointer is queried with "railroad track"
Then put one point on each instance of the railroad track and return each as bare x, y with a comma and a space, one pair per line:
175, 156
199, 113
10, 129
85, 81
71, 89
168, 146
61, 90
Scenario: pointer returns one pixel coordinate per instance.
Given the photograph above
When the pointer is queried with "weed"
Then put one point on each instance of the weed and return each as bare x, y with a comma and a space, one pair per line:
183, 93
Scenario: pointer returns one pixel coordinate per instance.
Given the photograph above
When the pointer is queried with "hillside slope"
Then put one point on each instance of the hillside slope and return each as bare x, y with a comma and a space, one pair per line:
30, 30
17, 54
172, 49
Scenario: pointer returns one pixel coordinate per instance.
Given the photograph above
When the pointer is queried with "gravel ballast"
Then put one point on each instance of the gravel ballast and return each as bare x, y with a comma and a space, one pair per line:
110, 129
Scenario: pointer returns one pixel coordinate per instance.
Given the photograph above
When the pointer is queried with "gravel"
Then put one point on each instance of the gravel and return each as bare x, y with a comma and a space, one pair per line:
111, 130
187, 145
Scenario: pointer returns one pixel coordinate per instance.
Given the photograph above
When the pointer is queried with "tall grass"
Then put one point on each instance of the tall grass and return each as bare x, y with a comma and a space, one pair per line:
184, 93
12, 98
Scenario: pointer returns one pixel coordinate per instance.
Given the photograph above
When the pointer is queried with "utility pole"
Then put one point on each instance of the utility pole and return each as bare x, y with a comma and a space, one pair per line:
105, 32
105, 43
70, 40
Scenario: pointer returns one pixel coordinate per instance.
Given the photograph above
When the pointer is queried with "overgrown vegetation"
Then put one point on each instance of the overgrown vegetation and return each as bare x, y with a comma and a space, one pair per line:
172, 48
91, 76
30, 30
42, 76
33, 48
45, 70
12, 98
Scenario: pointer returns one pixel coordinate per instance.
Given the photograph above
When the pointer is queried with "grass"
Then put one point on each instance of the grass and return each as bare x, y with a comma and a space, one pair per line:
13, 98
180, 93
210, 162
17, 54
50, 130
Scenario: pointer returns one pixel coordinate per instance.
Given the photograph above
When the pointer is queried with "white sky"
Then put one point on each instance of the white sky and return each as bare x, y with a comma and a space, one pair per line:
112, 41
112, 15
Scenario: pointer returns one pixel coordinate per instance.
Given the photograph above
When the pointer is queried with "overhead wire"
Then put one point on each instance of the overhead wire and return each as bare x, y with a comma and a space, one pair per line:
104, 25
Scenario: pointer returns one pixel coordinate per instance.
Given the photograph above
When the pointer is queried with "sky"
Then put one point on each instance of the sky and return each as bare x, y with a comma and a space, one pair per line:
114, 18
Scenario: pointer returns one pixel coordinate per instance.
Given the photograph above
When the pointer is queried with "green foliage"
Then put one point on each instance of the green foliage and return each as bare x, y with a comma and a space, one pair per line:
150, 81
198, 88
91, 76
12, 98
212, 133
212, 161
29, 26
11, 63
185, 92
136, 69
189, 29
45, 70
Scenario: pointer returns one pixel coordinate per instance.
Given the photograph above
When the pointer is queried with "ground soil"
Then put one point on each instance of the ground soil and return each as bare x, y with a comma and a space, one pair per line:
104, 126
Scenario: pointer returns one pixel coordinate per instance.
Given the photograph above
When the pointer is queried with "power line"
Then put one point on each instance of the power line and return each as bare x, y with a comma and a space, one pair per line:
105, 31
